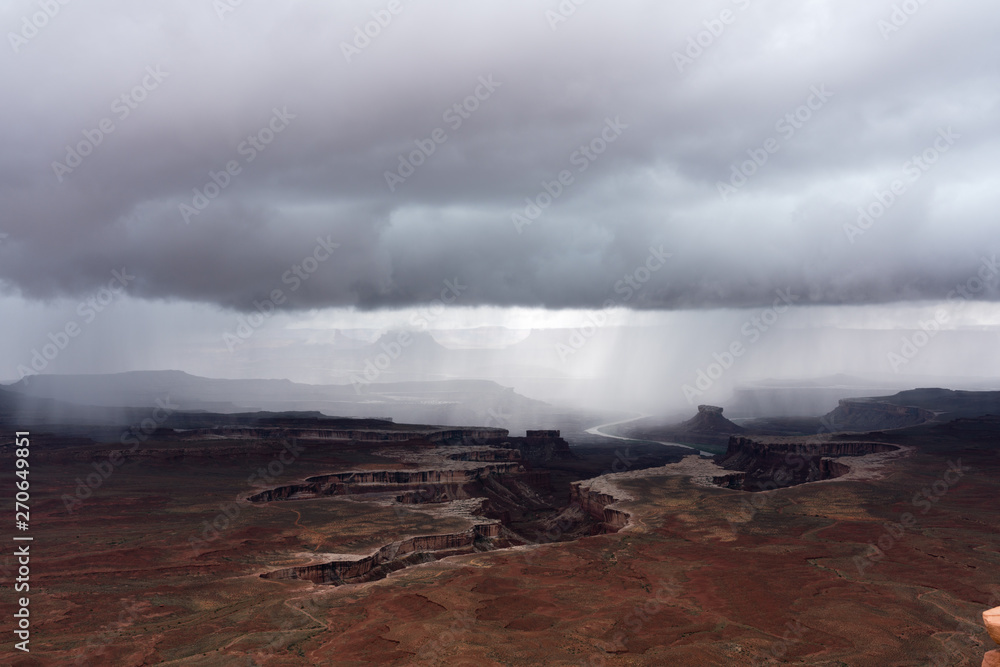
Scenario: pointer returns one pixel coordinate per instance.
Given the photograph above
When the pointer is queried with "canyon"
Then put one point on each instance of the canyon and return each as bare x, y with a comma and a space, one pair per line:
766, 464
501, 549
515, 496
394, 556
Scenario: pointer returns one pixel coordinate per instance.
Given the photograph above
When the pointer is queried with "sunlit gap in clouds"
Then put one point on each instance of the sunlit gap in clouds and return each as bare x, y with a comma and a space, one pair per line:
458, 317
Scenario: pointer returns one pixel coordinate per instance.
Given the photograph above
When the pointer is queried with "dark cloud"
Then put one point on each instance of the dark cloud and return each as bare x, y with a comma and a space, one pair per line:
323, 176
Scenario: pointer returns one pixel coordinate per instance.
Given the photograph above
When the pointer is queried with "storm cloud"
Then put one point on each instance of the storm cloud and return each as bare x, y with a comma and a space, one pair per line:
538, 153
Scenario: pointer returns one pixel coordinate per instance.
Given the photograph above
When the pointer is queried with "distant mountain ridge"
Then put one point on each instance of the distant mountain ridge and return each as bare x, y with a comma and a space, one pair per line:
452, 402
912, 407
950, 403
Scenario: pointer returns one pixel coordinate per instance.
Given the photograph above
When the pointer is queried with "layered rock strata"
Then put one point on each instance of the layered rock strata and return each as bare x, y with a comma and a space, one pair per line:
380, 481
517, 502
394, 556
600, 507
762, 466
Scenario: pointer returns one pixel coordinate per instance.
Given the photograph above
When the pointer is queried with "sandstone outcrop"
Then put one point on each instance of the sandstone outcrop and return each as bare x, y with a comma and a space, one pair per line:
598, 506
709, 420
708, 427
540, 446
992, 620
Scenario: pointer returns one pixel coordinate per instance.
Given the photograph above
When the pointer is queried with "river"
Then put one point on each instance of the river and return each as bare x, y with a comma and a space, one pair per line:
596, 430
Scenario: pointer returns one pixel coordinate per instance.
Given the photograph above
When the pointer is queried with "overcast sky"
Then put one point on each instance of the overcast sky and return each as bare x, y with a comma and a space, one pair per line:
714, 153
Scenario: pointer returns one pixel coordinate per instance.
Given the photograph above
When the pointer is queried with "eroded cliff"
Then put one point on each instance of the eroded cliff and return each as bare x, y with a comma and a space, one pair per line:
599, 506
519, 505
762, 466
